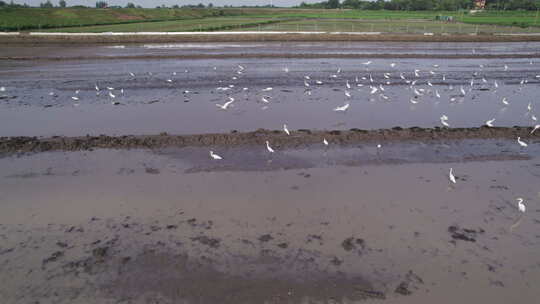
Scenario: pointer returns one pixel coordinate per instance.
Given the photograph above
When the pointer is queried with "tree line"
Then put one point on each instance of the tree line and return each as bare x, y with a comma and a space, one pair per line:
422, 5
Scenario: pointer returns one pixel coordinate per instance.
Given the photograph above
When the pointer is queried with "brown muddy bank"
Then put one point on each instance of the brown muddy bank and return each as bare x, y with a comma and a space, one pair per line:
254, 37
275, 55
299, 138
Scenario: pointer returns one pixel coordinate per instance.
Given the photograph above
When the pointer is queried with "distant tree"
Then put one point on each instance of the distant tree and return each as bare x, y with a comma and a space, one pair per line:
2, 4
332, 4
101, 4
47, 4
62, 3
200, 5
210, 5
130, 5
175, 6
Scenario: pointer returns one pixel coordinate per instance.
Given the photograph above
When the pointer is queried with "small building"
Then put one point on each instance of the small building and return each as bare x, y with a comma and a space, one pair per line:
479, 4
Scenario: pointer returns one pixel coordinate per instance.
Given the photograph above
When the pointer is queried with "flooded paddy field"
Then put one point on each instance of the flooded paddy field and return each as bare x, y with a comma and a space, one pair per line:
174, 180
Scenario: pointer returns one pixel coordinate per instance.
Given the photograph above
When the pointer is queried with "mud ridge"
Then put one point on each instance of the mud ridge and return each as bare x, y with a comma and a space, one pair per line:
299, 138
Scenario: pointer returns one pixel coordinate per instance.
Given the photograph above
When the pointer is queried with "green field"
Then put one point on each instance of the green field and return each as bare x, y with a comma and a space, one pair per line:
388, 26
127, 20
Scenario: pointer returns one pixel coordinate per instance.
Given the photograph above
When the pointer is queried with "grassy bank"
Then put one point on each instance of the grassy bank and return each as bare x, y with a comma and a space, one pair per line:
106, 20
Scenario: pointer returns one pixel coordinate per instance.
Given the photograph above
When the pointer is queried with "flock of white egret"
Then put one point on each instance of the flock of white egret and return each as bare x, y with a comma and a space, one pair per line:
415, 84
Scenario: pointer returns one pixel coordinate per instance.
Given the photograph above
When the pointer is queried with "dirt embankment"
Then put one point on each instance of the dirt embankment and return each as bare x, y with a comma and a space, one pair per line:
255, 37
10, 145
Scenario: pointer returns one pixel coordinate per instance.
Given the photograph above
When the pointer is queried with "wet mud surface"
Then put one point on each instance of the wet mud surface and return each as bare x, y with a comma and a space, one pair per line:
370, 217
144, 97
97, 226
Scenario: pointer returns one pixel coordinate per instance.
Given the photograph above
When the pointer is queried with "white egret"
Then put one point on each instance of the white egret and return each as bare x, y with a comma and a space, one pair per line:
318, 82
521, 206
462, 90
306, 84
392, 65
437, 94
169, 80
131, 74
429, 84
267, 89
495, 84
342, 108
97, 88
265, 99
535, 128
348, 94
413, 101
505, 101
112, 95
325, 142
269, 148
215, 156
367, 63
348, 85
225, 105
75, 98
505, 67
451, 176
444, 121
529, 107
2, 89
533, 117
374, 90
110, 88
521, 142
286, 130
489, 123
416, 73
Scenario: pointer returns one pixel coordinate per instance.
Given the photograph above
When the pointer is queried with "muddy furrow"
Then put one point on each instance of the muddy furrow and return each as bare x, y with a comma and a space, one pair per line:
10, 145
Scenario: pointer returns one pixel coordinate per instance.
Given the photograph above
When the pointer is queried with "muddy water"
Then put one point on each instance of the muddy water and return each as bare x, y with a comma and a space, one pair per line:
212, 48
172, 225
38, 96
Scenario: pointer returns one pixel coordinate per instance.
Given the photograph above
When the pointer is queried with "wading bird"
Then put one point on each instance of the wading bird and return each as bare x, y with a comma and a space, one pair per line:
225, 105
521, 143
489, 123
342, 108
269, 148
521, 206
451, 176
286, 130
215, 156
